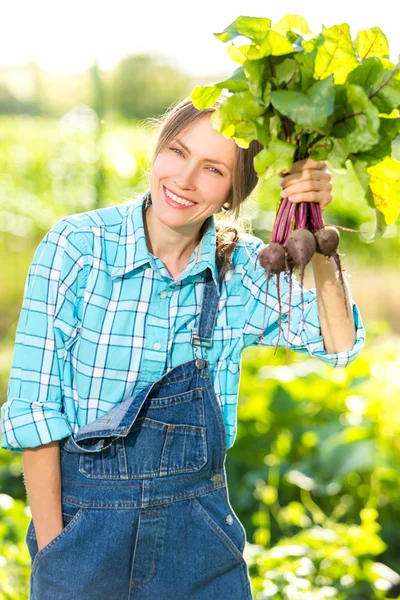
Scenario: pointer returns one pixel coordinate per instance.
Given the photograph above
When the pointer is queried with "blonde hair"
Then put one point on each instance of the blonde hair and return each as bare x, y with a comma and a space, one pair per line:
244, 177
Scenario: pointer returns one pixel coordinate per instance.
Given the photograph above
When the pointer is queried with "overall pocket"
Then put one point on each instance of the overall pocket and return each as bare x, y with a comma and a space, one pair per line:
167, 437
71, 514
219, 523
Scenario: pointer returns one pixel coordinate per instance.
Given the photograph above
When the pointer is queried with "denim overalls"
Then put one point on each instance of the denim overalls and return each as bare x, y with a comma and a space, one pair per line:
145, 503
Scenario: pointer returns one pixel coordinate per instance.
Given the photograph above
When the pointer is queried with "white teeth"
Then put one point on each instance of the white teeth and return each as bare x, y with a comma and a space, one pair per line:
177, 199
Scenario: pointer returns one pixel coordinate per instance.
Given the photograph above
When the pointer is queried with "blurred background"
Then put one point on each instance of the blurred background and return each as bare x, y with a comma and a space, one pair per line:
314, 472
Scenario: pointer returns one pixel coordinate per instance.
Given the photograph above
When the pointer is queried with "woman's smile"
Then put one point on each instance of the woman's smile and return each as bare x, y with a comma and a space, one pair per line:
172, 201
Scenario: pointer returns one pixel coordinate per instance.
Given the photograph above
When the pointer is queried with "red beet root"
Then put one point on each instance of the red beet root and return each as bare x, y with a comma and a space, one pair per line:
301, 247
273, 259
327, 239
291, 248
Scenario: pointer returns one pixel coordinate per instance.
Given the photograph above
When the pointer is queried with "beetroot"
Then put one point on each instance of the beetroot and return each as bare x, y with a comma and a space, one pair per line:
298, 232
300, 247
272, 258
327, 239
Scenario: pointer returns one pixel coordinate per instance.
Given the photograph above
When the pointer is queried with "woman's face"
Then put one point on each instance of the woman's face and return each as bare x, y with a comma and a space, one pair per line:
183, 168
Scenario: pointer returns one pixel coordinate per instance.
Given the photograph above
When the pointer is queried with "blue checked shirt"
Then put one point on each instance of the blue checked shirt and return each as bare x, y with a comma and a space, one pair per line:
102, 318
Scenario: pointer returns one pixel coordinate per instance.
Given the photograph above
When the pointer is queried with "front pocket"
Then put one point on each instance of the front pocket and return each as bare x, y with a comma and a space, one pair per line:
213, 510
168, 437
70, 521
151, 449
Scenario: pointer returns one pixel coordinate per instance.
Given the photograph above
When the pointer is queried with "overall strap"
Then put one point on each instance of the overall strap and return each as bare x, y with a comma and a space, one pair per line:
203, 335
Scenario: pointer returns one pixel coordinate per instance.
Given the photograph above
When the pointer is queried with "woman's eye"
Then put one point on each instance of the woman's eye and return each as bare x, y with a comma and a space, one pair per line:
219, 172
216, 170
176, 149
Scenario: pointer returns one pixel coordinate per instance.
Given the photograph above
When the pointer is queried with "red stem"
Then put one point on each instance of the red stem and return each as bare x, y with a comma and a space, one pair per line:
302, 220
283, 221
316, 220
289, 224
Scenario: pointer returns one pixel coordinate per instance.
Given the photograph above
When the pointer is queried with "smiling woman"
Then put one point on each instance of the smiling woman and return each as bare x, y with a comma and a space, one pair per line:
125, 376
193, 162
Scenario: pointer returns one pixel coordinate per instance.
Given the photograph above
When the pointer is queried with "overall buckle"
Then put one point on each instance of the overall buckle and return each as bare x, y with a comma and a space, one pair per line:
199, 341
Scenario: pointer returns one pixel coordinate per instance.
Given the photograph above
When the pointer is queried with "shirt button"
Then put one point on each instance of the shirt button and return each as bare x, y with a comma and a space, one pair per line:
229, 520
163, 294
157, 346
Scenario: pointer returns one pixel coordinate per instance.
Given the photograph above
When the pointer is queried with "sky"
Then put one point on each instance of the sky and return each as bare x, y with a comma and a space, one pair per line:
70, 35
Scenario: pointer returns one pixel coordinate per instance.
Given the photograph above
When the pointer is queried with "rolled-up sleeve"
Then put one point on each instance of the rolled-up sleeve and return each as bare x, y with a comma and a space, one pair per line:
33, 412
304, 335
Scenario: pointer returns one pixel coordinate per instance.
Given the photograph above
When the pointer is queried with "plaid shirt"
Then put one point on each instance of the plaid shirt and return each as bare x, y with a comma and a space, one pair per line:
102, 318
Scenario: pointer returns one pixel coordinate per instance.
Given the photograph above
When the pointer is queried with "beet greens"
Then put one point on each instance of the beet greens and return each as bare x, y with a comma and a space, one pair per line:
325, 96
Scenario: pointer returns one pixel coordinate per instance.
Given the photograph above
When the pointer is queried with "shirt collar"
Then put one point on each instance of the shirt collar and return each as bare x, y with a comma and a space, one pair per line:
132, 251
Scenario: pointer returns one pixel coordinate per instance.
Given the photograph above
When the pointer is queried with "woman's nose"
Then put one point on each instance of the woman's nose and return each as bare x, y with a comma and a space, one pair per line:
186, 178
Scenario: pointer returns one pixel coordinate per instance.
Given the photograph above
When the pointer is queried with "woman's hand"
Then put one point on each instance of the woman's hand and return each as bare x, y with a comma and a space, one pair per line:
45, 536
308, 181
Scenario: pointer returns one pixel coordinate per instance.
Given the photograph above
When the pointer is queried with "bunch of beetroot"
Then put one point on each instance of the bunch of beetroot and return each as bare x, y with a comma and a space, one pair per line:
299, 231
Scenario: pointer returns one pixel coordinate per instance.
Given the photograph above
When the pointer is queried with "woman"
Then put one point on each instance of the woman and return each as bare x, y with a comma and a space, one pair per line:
123, 389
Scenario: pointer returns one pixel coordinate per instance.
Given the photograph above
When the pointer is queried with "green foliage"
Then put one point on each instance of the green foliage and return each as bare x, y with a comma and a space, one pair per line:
309, 109
15, 560
144, 85
315, 472
334, 100
277, 157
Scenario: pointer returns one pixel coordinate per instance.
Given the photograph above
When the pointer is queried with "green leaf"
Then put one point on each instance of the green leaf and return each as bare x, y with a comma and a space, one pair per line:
372, 42
275, 44
385, 188
256, 72
338, 154
306, 62
234, 118
356, 120
253, 28
287, 74
364, 177
366, 73
389, 128
330, 149
276, 157
336, 55
205, 96
262, 124
311, 109
385, 93
292, 23
266, 97
237, 82
275, 126
360, 168
242, 53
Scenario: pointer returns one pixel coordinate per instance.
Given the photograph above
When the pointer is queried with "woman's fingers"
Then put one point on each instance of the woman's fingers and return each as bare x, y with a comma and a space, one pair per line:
308, 181
323, 197
306, 186
307, 163
306, 175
